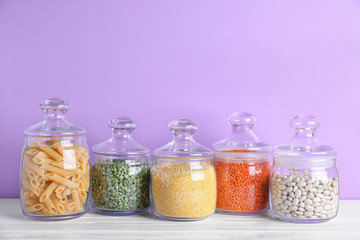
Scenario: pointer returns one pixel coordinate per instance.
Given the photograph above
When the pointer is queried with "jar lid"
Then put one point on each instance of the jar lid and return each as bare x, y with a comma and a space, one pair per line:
121, 143
242, 136
55, 123
305, 144
183, 143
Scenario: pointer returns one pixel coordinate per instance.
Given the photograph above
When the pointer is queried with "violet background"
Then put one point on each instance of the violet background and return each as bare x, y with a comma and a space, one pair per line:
156, 61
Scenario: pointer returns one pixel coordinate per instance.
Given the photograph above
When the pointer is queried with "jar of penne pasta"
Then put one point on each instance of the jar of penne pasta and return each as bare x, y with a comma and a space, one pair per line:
121, 172
54, 177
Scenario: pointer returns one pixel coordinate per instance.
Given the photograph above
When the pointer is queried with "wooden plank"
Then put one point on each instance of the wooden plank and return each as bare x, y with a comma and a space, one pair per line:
14, 225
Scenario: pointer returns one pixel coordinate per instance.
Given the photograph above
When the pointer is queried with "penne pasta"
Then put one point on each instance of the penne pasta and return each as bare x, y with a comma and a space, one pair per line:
34, 194
77, 177
82, 201
52, 153
38, 142
42, 158
61, 180
63, 199
55, 177
67, 192
58, 164
46, 211
60, 149
41, 190
55, 140
87, 177
48, 191
41, 181
82, 194
81, 159
69, 204
34, 167
33, 182
31, 201
34, 208
80, 184
60, 189
59, 206
32, 151
26, 183
39, 212
59, 171
51, 206
27, 156
76, 199
25, 195
32, 174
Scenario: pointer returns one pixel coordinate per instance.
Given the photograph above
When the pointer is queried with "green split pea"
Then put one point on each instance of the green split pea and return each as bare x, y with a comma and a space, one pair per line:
120, 185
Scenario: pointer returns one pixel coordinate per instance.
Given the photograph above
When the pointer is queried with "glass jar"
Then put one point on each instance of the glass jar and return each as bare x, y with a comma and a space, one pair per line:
242, 169
120, 172
304, 184
183, 180
54, 177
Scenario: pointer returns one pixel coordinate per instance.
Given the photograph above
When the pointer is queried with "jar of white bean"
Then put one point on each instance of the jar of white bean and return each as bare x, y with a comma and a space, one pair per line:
304, 183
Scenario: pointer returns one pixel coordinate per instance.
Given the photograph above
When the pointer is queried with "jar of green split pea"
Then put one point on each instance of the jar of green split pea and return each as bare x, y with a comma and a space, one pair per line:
121, 172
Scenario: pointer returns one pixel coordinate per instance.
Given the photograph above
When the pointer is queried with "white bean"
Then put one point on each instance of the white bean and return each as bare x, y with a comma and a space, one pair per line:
309, 208
302, 198
288, 179
284, 206
293, 208
301, 184
308, 213
297, 195
301, 209
291, 184
310, 196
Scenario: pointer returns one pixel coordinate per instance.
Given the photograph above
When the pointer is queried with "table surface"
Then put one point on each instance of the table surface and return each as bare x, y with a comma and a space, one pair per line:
14, 225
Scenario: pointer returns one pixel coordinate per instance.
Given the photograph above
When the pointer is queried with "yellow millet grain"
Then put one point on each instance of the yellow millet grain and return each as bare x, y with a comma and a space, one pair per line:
184, 189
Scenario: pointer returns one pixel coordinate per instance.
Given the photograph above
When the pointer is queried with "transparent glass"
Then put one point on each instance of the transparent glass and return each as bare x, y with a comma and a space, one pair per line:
304, 182
121, 172
183, 180
54, 175
242, 169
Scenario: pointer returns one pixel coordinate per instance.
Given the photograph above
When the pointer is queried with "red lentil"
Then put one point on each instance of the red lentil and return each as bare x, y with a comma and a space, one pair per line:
242, 186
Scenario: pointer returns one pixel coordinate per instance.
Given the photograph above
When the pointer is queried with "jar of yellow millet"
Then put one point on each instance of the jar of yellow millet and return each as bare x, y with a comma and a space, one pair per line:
183, 180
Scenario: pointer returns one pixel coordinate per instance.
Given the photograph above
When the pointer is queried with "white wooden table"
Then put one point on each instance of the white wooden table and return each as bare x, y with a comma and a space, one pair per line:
13, 225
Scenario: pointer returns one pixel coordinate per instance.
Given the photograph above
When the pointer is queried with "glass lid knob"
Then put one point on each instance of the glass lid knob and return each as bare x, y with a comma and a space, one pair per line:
242, 119
122, 123
183, 125
55, 104
304, 143
304, 122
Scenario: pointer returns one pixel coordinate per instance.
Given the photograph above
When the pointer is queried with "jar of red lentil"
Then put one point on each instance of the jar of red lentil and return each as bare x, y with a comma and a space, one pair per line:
242, 169
183, 180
